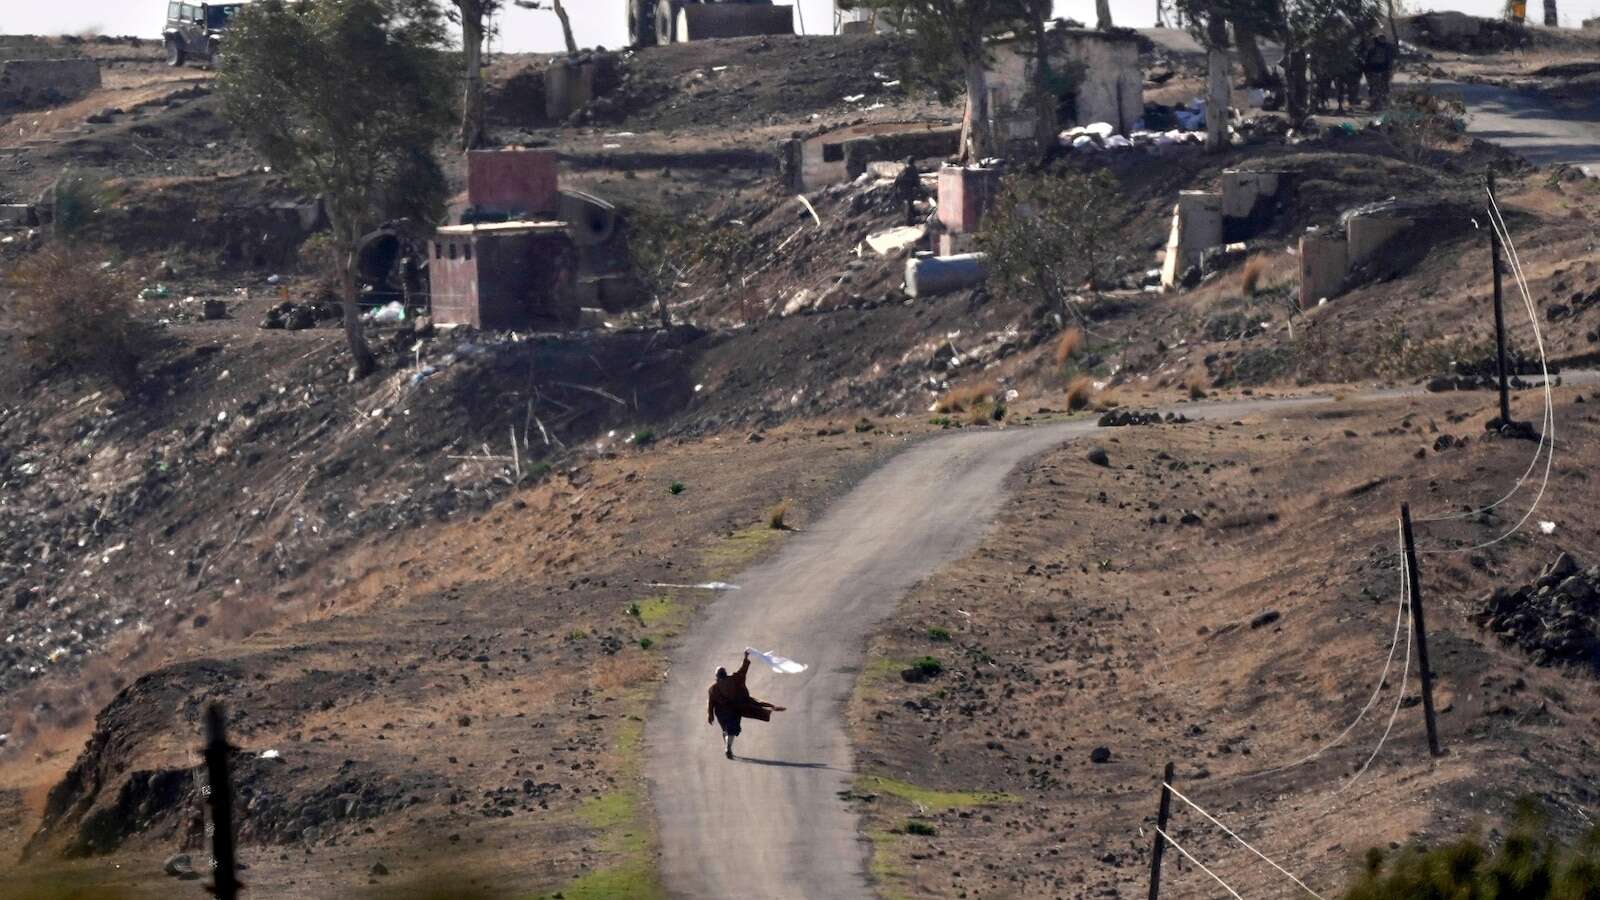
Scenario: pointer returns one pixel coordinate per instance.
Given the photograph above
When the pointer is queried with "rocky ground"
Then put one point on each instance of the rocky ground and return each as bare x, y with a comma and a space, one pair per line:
1223, 596
361, 570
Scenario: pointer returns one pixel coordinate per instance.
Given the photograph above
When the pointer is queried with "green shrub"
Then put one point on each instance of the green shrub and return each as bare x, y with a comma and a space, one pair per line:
928, 665
635, 611
645, 643
1530, 864
938, 634
78, 198
644, 437
920, 828
676, 488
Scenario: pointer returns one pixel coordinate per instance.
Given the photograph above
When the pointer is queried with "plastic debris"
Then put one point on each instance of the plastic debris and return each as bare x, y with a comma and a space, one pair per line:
388, 313
1547, 527
269, 754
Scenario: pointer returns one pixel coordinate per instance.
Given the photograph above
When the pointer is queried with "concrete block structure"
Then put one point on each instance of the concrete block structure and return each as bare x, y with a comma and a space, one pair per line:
1196, 227
1324, 262
506, 276
517, 183
528, 254
1105, 82
1367, 235
571, 83
965, 194
841, 154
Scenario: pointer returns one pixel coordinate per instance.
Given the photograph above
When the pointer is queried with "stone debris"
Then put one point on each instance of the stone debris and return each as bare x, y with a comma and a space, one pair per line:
1555, 619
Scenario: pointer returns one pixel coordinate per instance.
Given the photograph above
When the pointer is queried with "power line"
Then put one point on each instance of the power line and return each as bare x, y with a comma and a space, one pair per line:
1400, 695
1246, 844
1497, 221
1377, 689
1186, 855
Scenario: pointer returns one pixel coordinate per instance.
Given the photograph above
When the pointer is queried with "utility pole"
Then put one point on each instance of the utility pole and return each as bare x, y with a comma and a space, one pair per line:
225, 881
1161, 826
1499, 313
1420, 631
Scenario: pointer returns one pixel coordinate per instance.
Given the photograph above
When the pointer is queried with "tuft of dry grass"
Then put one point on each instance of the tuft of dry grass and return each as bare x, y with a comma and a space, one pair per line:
776, 516
1079, 390
958, 399
1068, 344
1254, 268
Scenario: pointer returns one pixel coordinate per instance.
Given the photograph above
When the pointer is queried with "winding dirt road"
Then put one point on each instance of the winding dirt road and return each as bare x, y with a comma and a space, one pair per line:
770, 824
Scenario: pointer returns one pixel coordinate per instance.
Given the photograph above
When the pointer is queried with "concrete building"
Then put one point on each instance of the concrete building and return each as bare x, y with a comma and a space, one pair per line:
527, 254
831, 155
1098, 74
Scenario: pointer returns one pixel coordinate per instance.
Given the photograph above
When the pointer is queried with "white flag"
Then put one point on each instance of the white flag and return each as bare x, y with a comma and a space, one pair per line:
780, 664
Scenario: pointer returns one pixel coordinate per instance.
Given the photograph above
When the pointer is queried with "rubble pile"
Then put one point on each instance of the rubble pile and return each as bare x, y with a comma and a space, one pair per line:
1555, 620
1482, 374
1120, 418
293, 316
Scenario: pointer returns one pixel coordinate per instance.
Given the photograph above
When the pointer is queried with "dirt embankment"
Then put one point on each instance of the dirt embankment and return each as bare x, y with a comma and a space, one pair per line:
1224, 597
475, 685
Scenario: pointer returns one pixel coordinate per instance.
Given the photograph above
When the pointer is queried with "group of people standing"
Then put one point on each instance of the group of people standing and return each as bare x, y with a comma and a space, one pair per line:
1337, 68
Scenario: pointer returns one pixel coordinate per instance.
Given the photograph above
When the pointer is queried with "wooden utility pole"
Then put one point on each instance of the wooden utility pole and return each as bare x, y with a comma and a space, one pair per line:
225, 884
1420, 632
1160, 846
1499, 313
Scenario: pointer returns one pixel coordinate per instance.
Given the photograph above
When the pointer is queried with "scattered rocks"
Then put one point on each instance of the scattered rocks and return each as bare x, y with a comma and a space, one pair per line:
1098, 456
180, 865
1265, 619
378, 868
1100, 755
1555, 620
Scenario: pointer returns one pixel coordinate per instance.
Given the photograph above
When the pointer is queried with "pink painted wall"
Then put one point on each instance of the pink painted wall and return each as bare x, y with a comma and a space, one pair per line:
513, 181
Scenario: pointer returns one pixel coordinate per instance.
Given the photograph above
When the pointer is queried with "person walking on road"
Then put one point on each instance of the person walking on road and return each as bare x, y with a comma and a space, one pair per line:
729, 701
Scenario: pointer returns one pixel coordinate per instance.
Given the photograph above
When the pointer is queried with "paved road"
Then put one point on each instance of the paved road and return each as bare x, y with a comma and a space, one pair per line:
770, 824
1530, 126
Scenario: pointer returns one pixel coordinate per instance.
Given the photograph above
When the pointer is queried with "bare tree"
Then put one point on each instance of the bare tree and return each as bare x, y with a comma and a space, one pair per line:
561, 13
472, 14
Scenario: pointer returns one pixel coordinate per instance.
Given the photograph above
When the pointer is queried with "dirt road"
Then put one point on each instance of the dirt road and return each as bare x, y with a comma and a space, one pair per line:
770, 823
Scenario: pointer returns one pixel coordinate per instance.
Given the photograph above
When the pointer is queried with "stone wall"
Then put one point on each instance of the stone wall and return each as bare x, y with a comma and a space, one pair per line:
28, 83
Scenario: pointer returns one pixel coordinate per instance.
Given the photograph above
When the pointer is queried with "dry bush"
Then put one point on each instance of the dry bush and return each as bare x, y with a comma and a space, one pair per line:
76, 315
1254, 268
1067, 345
958, 399
1079, 390
776, 515
1196, 386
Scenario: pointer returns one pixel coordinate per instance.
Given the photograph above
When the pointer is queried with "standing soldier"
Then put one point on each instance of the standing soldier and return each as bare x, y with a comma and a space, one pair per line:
1379, 69
908, 187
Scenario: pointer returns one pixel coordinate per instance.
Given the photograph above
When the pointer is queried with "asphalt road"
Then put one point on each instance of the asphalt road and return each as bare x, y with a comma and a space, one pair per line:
1530, 126
770, 824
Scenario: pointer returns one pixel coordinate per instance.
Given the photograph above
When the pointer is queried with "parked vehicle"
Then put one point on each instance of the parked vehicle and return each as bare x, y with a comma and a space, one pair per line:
652, 22
194, 31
